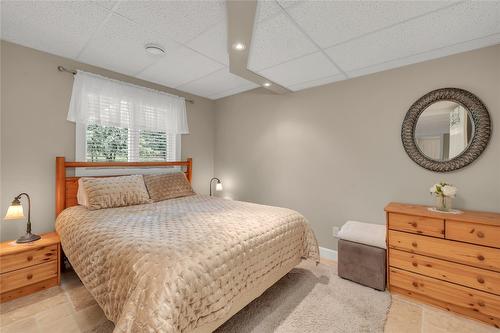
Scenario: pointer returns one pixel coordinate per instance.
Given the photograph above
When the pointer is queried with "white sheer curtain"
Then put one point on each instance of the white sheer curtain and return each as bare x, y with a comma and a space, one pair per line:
102, 101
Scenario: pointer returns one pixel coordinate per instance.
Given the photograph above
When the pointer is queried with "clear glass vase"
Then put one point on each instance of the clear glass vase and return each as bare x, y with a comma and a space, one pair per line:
444, 203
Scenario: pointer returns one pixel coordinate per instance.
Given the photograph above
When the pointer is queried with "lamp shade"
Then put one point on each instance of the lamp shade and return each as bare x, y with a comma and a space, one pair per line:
218, 187
14, 212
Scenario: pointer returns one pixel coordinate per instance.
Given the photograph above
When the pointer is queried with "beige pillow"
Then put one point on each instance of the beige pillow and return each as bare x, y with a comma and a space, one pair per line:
81, 195
112, 192
168, 186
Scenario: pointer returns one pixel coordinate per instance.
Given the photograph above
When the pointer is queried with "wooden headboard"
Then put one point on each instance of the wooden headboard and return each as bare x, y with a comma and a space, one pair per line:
67, 187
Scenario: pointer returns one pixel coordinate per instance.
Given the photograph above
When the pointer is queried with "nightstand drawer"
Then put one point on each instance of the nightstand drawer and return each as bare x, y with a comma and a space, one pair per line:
481, 234
417, 224
27, 276
25, 259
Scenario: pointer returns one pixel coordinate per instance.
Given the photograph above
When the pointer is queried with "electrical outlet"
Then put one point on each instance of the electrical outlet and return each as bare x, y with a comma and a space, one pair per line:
335, 231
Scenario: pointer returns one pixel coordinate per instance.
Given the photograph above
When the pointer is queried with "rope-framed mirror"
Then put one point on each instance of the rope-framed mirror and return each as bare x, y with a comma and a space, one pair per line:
446, 129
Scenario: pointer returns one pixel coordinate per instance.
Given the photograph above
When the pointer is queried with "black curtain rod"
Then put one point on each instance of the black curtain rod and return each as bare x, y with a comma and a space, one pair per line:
72, 71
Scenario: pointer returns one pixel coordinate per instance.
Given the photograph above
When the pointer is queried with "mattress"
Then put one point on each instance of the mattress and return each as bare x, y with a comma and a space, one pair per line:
176, 265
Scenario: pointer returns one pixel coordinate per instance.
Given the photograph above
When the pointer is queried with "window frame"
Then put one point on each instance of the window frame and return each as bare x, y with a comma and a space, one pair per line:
81, 156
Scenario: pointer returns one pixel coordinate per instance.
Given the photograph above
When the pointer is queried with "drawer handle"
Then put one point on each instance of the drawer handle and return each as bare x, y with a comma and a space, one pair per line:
480, 234
415, 264
415, 284
414, 244
29, 258
29, 276
480, 257
413, 224
480, 280
480, 303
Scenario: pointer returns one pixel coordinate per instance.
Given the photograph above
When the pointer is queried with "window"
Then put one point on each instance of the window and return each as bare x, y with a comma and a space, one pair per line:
113, 144
119, 122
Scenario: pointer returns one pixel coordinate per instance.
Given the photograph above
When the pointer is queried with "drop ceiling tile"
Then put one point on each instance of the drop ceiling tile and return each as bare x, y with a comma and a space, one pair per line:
332, 22
217, 83
232, 92
317, 82
108, 4
266, 9
178, 20
213, 43
178, 67
458, 24
119, 46
307, 68
437, 53
275, 41
290, 3
57, 27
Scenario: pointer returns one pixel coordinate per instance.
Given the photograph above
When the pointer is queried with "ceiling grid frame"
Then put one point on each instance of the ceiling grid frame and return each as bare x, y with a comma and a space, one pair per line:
393, 24
366, 56
299, 27
114, 11
426, 52
101, 25
184, 44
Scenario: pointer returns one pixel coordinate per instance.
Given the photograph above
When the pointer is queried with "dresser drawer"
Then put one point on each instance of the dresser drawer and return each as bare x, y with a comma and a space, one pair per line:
469, 254
28, 258
467, 298
26, 276
481, 234
473, 277
417, 224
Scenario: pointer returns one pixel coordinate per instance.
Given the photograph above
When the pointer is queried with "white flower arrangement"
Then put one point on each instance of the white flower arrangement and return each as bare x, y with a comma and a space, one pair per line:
443, 190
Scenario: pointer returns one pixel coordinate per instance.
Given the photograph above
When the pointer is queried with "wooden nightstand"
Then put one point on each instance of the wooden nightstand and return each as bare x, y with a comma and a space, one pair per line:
28, 268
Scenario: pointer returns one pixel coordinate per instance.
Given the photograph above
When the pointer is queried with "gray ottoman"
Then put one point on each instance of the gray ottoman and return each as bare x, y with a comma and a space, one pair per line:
364, 264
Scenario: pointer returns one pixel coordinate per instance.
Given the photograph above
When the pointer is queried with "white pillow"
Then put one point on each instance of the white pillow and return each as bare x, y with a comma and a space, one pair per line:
81, 195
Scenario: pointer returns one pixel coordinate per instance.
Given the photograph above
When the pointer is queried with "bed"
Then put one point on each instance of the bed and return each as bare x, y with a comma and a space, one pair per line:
180, 265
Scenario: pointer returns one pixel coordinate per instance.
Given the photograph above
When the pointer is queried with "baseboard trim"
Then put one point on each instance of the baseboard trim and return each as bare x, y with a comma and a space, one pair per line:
328, 253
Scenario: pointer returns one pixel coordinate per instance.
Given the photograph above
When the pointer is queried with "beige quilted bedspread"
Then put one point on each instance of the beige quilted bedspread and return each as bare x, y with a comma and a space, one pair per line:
175, 265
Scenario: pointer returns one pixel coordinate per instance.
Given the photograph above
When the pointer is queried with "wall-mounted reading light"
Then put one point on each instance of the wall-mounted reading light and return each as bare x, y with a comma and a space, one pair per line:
267, 84
218, 185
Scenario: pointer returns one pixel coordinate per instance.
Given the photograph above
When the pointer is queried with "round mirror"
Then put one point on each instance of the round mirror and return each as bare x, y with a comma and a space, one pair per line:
444, 130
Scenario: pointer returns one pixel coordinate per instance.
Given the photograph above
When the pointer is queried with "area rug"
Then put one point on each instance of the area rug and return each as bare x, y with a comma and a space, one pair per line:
313, 299
309, 299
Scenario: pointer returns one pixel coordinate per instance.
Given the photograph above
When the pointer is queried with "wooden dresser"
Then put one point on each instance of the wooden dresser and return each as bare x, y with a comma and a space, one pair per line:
31, 267
448, 260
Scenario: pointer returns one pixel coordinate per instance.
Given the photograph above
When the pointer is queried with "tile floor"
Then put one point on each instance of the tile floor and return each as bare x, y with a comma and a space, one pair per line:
70, 308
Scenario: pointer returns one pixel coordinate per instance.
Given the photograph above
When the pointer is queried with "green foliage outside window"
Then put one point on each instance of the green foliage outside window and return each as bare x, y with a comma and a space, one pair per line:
112, 144
107, 143
152, 146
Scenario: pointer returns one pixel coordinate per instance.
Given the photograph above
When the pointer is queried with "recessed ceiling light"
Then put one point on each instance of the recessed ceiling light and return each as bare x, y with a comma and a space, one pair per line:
239, 46
267, 84
154, 49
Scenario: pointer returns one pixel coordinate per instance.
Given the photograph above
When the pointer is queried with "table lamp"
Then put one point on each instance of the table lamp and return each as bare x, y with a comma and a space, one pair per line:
15, 212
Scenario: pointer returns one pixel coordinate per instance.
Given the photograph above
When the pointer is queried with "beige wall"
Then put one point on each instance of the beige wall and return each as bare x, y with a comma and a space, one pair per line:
34, 130
334, 152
